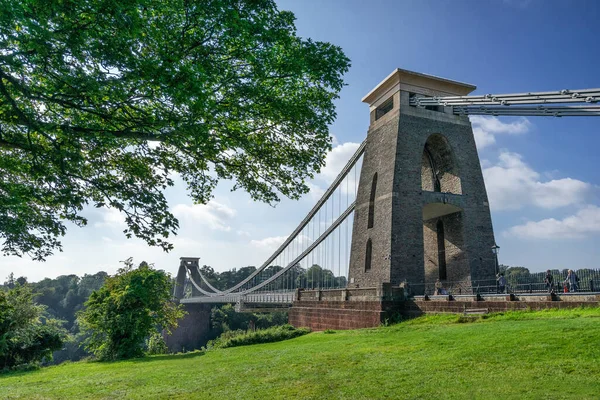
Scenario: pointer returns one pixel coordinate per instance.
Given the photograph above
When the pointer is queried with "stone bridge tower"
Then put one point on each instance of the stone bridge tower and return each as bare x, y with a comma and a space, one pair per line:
422, 211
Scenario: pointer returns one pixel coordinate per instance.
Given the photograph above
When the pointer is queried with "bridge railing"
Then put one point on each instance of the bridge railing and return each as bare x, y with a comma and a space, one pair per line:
588, 281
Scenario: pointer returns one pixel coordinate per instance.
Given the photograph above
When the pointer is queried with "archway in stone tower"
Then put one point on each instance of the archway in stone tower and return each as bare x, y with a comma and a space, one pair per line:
443, 236
443, 243
439, 171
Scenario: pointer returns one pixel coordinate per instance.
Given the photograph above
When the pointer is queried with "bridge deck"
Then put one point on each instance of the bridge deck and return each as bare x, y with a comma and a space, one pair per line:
280, 297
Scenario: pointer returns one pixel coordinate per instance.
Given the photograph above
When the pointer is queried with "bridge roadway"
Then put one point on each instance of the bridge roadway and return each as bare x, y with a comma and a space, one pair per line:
278, 297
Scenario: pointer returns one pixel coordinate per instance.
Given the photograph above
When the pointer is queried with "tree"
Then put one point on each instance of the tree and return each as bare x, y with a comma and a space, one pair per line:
62, 298
126, 310
27, 335
224, 318
103, 101
232, 277
10, 281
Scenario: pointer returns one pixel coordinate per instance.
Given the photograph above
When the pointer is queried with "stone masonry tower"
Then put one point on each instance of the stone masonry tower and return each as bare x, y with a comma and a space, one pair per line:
422, 211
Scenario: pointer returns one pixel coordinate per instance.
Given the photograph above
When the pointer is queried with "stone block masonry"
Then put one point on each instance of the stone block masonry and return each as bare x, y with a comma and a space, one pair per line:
370, 307
422, 211
345, 308
497, 303
193, 330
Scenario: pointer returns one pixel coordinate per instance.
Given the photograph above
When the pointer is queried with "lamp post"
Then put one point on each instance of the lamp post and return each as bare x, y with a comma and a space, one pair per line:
496, 250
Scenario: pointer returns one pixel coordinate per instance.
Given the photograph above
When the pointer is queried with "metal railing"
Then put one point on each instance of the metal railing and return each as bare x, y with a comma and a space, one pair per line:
588, 281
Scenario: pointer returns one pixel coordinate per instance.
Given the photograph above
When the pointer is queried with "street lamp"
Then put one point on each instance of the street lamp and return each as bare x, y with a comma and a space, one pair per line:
496, 250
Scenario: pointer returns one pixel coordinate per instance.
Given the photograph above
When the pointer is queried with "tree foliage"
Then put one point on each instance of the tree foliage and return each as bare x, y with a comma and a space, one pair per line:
65, 295
226, 279
318, 277
102, 101
126, 310
26, 334
224, 318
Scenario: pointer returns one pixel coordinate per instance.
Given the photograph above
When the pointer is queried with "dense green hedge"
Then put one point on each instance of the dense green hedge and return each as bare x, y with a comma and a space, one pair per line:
243, 338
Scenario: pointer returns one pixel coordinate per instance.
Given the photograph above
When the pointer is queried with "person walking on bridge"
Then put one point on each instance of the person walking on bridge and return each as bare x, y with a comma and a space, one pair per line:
548, 281
501, 283
571, 281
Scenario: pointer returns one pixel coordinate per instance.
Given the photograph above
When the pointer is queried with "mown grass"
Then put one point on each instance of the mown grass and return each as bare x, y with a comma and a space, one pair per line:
523, 355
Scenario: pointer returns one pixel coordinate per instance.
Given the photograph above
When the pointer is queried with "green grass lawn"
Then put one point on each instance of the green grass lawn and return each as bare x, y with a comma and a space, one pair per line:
537, 355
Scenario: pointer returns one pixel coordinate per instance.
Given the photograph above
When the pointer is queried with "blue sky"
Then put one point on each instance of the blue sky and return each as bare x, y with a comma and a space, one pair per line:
541, 173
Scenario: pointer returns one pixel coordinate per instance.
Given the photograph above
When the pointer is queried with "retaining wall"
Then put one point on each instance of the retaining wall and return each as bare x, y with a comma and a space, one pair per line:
370, 307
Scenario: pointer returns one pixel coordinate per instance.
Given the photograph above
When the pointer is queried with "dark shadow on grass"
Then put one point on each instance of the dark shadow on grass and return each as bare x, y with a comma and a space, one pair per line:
166, 357
6, 374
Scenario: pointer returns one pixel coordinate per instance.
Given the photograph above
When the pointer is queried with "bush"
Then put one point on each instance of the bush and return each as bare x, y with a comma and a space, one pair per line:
27, 336
243, 338
155, 344
126, 310
224, 318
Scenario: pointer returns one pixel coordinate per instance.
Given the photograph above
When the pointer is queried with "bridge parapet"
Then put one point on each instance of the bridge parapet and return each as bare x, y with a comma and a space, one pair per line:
356, 308
349, 308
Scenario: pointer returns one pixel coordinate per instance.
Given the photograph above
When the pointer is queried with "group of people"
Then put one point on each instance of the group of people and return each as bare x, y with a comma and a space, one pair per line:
439, 289
569, 285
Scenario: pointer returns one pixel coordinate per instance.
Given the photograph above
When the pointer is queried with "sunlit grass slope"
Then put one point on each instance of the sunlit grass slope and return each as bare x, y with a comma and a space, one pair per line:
537, 355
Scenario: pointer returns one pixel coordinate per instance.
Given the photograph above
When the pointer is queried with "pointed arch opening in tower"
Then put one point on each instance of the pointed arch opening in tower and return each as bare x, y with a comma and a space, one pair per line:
439, 170
372, 202
368, 254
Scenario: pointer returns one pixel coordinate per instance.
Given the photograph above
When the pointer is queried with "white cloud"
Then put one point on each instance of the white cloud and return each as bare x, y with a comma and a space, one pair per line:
512, 184
181, 241
336, 160
334, 140
304, 240
586, 221
111, 217
213, 214
316, 191
272, 242
485, 129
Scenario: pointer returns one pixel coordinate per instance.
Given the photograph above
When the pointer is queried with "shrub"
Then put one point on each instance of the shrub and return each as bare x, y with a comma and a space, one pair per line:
155, 344
27, 335
224, 318
243, 338
126, 310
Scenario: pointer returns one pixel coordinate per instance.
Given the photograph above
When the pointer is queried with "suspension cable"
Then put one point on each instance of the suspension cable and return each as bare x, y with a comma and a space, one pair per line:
349, 165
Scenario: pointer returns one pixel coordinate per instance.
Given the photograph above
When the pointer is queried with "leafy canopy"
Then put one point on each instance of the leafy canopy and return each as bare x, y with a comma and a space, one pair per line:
129, 308
103, 101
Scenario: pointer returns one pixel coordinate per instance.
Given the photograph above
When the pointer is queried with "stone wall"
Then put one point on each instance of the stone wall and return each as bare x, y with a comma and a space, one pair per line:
367, 308
496, 303
379, 156
321, 315
193, 329
351, 308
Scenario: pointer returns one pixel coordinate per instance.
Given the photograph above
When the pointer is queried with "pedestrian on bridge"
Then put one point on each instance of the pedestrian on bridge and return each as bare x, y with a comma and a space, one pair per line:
571, 281
501, 283
438, 287
548, 280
